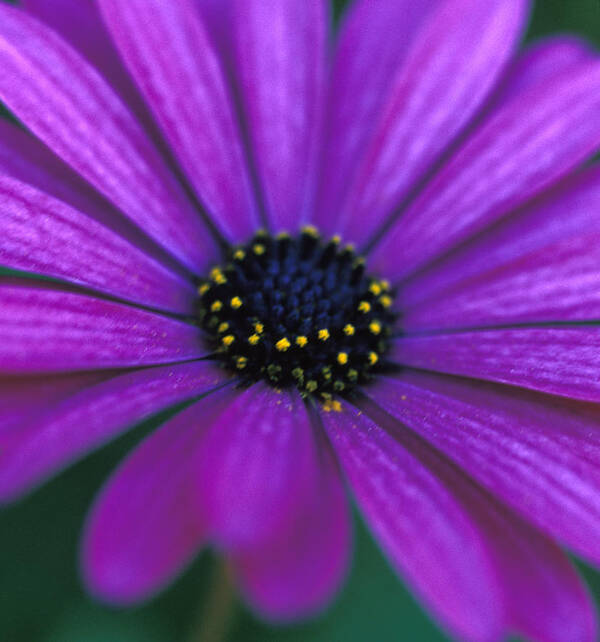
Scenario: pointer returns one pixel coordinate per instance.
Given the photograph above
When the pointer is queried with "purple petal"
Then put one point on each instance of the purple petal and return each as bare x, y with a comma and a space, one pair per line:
296, 573
275, 503
527, 231
43, 235
454, 63
560, 282
536, 455
47, 330
168, 51
85, 413
525, 147
67, 104
543, 597
280, 51
424, 530
373, 42
560, 361
145, 526
542, 62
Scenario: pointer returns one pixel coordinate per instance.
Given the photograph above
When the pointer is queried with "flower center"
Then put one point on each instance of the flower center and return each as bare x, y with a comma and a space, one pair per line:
297, 310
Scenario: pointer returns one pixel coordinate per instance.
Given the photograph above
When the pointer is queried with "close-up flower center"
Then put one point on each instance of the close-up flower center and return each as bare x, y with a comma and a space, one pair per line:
297, 310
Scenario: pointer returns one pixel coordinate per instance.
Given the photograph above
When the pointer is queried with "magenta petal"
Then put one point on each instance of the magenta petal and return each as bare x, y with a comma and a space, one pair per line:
47, 330
145, 526
522, 149
426, 533
539, 457
454, 63
280, 49
543, 597
67, 104
275, 503
560, 282
543, 61
82, 418
169, 53
561, 361
373, 41
296, 573
43, 235
526, 232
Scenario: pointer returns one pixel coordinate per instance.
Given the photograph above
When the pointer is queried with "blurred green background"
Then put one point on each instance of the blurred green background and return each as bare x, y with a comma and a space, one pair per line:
41, 599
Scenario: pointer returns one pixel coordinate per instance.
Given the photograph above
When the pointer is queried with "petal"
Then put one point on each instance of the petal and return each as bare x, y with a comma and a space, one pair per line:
47, 330
145, 527
67, 104
560, 361
420, 525
543, 61
296, 573
536, 455
560, 282
543, 597
280, 51
514, 237
374, 39
274, 502
43, 235
453, 65
525, 147
42, 443
169, 53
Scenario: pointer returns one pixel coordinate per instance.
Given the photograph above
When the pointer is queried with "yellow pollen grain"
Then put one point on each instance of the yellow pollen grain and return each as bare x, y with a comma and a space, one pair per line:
373, 358
223, 327
310, 230
349, 330
217, 276
203, 289
375, 289
323, 334
216, 306
236, 303
385, 300
259, 327
301, 341
228, 340
241, 362
375, 327
364, 307
283, 344
332, 405
258, 249
239, 255
253, 339
342, 358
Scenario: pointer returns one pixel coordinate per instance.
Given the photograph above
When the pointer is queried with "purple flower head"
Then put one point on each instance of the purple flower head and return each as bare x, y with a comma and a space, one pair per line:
366, 257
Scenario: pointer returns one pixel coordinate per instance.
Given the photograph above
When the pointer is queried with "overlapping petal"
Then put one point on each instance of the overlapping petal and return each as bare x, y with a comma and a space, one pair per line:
49, 330
81, 413
454, 63
145, 526
561, 361
521, 150
67, 104
170, 54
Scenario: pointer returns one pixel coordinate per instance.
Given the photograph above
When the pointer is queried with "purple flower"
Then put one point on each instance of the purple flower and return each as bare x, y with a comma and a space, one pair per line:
452, 379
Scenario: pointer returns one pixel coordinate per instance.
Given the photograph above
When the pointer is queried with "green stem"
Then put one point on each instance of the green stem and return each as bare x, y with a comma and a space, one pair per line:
216, 616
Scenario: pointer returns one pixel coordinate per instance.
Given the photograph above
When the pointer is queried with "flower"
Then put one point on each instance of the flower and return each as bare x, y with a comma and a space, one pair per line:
444, 363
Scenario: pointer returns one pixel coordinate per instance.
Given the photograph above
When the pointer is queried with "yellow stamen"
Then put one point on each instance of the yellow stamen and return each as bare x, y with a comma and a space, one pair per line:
258, 249
253, 339
259, 327
373, 358
323, 334
216, 274
311, 385
203, 289
283, 344
349, 330
385, 300
364, 307
342, 358
375, 289
310, 230
241, 362
228, 340
239, 255
301, 341
223, 327
375, 327
332, 405
236, 302
216, 306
